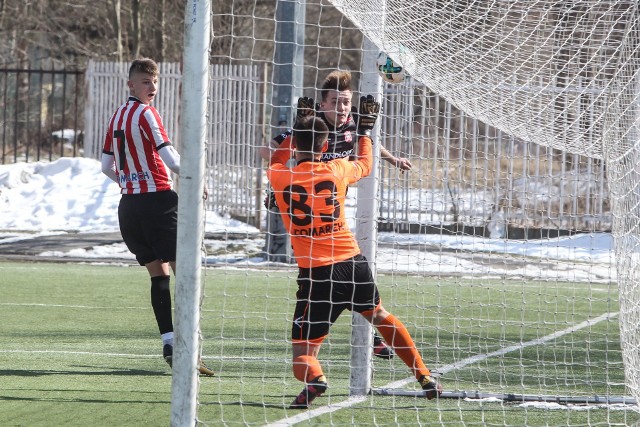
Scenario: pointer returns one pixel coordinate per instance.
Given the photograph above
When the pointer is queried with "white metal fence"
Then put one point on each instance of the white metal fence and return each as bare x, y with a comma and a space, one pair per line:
236, 127
466, 177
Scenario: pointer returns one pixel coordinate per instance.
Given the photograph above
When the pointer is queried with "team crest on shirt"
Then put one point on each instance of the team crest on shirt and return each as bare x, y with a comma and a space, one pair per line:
348, 137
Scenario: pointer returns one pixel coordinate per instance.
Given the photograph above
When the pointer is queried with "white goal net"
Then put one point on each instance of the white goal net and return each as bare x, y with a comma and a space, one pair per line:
564, 75
509, 250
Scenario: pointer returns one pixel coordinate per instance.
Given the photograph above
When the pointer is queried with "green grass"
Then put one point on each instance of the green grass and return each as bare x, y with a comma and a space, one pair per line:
80, 347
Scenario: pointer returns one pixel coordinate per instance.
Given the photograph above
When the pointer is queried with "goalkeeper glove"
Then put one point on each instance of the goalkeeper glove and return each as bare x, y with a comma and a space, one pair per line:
306, 107
368, 114
270, 200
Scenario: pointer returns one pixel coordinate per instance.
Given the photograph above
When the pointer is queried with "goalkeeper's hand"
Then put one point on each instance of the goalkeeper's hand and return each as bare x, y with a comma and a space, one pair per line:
306, 107
270, 200
367, 115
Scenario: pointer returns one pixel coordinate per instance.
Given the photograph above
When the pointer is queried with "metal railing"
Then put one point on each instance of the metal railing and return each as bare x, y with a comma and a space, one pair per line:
467, 176
40, 114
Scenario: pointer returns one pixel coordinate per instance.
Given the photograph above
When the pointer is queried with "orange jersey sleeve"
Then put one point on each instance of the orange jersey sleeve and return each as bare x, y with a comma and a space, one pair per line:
283, 152
311, 199
365, 155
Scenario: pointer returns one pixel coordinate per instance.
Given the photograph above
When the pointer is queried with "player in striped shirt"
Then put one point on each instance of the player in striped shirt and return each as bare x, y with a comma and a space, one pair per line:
333, 275
138, 155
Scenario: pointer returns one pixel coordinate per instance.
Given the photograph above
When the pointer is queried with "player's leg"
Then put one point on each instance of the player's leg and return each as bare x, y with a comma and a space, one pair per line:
161, 304
148, 224
307, 369
132, 217
162, 235
396, 334
312, 319
160, 227
367, 302
305, 359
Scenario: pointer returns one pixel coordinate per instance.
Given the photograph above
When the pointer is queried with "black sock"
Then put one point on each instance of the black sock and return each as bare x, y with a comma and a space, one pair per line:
161, 303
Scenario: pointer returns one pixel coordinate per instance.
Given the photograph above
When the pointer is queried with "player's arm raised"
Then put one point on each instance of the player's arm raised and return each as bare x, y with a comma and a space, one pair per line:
306, 107
365, 123
367, 116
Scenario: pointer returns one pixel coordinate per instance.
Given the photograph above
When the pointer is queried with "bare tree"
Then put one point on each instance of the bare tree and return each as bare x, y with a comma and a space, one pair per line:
2, 13
72, 32
135, 21
160, 31
117, 27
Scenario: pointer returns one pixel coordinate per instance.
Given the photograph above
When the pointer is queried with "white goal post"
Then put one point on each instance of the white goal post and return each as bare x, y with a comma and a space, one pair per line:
509, 249
195, 84
366, 230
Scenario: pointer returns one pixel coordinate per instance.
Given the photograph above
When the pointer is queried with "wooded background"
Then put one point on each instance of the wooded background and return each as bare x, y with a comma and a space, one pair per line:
69, 33
72, 32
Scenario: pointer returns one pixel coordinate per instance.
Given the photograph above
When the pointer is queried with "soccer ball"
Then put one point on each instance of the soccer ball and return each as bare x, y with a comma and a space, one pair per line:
389, 70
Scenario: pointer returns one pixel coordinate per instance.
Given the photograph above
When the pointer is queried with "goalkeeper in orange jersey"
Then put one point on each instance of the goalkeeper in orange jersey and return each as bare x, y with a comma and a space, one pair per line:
341, 117
333, 275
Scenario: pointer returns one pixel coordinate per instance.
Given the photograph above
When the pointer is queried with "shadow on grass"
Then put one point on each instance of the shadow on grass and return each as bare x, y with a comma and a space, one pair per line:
94, 371
80, 400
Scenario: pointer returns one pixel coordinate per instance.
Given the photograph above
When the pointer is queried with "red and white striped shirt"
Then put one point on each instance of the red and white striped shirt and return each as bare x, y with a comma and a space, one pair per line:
135, 135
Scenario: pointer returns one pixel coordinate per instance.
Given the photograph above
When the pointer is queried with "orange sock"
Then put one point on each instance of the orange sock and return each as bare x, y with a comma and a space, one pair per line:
306, 368
397, 336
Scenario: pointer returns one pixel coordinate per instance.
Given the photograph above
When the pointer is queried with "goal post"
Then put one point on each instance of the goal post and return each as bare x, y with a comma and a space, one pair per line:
195, 84
366, 234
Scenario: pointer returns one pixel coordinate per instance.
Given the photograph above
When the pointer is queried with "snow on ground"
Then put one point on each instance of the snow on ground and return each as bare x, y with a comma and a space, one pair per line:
71, 195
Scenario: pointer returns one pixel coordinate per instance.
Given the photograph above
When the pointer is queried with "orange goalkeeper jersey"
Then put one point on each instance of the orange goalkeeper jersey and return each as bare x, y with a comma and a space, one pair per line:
311, 200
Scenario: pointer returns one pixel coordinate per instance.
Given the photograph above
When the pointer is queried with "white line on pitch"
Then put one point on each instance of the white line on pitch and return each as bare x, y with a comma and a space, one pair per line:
80, 353
305, 416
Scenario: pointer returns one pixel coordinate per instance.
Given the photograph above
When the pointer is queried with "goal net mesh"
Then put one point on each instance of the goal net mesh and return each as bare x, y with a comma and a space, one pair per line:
509, 250
564, 75
553, 73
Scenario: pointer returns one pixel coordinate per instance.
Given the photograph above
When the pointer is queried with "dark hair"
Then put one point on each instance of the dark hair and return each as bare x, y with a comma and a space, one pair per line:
310, 134
144, 65
336, 80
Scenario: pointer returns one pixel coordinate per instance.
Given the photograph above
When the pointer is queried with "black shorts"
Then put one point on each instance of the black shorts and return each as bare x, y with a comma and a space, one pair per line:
149, 225
325, 292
